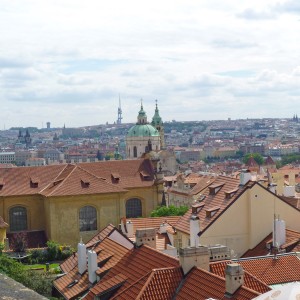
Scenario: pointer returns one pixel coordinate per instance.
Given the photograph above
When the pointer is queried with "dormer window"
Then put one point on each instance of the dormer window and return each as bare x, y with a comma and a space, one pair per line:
210, 212
85, 183
229, 194
145, 175
115, 177
196, 208
1, 183
34, 182
213, 189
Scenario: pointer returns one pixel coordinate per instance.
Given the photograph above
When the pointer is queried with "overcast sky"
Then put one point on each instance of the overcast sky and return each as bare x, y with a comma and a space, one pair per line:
68, 61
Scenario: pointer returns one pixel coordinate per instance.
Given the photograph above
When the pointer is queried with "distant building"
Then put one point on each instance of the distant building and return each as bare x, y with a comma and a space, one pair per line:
144, 137
7, 157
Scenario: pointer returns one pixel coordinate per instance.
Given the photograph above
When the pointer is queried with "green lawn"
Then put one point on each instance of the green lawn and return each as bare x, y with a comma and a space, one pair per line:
39, 266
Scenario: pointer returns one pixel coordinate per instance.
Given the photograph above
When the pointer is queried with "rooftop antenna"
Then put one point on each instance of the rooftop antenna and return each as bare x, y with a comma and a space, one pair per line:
119, 121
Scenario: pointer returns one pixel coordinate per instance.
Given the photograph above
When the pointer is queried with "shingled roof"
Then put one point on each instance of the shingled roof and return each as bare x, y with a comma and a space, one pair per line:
70, 179
217, 197
292, 244
202, 285
269, 269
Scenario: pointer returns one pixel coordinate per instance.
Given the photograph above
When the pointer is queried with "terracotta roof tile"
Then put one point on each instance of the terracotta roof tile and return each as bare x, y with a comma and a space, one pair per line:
250, 281
107, 248
292, 244
201, 285
71, 261
212, 202
285, 268
137, 264
67, 179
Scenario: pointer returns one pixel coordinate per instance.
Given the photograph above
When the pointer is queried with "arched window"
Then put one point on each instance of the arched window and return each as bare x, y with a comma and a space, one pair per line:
134, 151
18, 218
133, 208
87, 218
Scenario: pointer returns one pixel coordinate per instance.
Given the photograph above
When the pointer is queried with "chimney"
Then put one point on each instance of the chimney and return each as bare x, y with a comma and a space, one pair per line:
245, 176
81, 252
234, 278
163, 227
289, 191
279, 236
146, 236
272, 187
129, 227
194, 230
92, 266
194, 257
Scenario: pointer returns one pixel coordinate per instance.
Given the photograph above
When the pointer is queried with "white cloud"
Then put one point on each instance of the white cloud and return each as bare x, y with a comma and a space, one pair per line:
67, 61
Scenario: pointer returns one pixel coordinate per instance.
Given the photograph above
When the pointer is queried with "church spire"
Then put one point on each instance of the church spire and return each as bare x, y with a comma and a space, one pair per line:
142, 117
158, 124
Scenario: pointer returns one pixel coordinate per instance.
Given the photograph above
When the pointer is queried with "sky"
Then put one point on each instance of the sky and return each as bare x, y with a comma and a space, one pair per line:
67, 62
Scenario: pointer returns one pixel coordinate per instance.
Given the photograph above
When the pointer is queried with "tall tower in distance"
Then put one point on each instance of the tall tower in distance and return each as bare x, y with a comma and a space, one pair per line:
119, 120
159, 125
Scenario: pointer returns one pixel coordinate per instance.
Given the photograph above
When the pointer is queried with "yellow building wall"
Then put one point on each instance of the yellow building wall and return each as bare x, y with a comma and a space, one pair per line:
34, 206
247, 221
2, 235
63, 212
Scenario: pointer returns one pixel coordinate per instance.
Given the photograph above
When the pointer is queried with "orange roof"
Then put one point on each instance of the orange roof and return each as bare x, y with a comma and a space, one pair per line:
154, 222
282, 269
218, 200
201, 285
69, 179
137, 265
156, 285
250, 281
109, 254
71, 262
292, 244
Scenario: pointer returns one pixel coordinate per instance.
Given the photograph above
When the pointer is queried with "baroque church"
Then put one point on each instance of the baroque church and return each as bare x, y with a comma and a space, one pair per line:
145, 137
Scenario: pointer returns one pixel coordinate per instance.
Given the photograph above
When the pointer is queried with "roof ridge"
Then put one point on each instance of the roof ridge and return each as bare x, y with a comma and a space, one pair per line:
130, 286
48, 185
63, 180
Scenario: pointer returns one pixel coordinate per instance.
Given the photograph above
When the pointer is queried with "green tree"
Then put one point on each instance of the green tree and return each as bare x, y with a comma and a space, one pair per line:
164, 211
257, 157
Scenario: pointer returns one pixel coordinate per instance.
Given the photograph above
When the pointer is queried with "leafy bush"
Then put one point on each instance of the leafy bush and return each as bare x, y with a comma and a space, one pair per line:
164, 211
41, 283
1, 248
54, 252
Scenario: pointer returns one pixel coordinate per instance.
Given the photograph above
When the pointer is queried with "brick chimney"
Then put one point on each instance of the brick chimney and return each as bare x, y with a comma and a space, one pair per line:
234, 277
146, 236
194, 257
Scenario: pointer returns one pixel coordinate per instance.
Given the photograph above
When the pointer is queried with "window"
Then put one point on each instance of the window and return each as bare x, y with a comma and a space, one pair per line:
134, 151
18, 218
133, 208
87, 218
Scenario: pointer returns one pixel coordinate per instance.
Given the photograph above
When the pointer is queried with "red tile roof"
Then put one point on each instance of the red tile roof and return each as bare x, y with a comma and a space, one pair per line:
218, 200
201, 285
71, 261
137, 264
155, 285
250, 281
292, 244
69, 179
106, 249
284, 268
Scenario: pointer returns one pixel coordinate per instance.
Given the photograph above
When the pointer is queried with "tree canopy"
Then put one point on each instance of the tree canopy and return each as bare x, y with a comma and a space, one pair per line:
164, 211
256, 156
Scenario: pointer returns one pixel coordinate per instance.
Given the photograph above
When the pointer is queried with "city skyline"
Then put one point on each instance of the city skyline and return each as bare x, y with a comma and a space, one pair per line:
67, 63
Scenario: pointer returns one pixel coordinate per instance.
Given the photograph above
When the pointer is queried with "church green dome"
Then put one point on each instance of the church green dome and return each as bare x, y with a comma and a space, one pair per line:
142, 130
